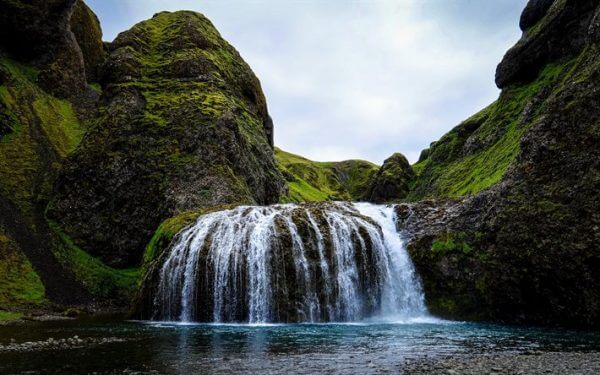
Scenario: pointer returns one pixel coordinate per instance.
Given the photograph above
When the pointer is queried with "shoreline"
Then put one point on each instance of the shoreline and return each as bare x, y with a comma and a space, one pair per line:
528, 362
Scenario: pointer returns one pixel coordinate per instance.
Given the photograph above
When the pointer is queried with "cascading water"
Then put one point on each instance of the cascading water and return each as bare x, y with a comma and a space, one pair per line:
289, 263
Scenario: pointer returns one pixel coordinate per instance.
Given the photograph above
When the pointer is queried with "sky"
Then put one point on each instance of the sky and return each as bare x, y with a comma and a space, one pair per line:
356, 79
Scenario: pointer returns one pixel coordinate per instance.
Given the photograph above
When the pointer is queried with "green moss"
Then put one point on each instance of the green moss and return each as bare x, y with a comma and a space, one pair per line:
476, 154
101, 280
8, 315
166, 231
310, 181
451, 242
96, 87
43, 125
59, 123
19, 283
442, 306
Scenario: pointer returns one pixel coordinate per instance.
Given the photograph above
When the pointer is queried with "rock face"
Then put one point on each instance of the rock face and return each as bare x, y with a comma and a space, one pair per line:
183, 125
39, 60
38, 32
526, 249
86, 28
551, 30
392, 181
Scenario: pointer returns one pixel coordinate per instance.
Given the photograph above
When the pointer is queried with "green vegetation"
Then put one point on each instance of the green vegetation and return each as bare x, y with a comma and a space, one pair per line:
101, 280
8, 315
59, 123
476, 154
19, 284
96, 87
310, 181
451, 242
39, 121
165, 233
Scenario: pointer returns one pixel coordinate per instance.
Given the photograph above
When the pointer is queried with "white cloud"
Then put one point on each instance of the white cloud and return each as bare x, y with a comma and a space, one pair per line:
358, 79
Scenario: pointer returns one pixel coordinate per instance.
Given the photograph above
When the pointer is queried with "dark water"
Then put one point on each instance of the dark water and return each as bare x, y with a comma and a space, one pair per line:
302, 348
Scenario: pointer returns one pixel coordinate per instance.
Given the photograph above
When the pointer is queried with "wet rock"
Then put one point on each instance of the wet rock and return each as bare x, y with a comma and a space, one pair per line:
60, 344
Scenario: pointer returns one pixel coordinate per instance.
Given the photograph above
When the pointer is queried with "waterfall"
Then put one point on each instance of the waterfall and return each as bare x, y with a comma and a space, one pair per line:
323, 262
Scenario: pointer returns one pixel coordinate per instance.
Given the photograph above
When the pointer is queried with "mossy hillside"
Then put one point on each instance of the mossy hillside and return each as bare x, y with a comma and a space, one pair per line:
183, 126
500, 255
310, 181
20, 286
104, 283
44, 130
476, 154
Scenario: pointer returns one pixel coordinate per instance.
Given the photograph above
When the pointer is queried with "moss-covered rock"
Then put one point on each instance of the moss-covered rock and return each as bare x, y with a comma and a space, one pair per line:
311, 181
183, 125
525, 248
20, 285
552, 31
38, 130
43, 131
88, 34
37, 32
476, 154
392, 180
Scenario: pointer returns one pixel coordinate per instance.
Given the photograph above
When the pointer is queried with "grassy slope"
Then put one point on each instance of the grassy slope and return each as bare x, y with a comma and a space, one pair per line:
20, 286
310, 181
43, 131
475, 155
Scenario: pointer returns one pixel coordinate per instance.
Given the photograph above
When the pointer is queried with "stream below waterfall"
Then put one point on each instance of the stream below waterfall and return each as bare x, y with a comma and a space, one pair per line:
177, 348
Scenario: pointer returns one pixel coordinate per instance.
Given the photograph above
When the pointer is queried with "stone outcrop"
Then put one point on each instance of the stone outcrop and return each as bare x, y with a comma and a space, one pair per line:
182, 125
526, 249
391, 182
551, 30
88, 33
37, 32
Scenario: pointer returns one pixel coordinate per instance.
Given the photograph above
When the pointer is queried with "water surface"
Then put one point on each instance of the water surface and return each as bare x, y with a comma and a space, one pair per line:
290, 348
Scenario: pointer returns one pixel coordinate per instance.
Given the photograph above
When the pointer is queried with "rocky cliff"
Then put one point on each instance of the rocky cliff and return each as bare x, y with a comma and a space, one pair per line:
522, 245
99, 143
182, 125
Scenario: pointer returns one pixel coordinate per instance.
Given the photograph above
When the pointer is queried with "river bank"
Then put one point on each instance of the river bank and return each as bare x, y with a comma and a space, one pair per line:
529, 362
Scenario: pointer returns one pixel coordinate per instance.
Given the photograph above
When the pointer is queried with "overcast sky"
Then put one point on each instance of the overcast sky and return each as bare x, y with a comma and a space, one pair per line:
356, 79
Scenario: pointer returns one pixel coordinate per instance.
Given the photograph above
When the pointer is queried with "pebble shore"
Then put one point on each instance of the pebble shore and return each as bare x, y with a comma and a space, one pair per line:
54, 344
509, 364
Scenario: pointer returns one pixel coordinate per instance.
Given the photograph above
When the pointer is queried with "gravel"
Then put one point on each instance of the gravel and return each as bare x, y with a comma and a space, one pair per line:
509, 363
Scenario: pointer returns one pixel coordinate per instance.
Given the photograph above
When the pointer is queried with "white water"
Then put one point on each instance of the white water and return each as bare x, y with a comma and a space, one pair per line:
338, 262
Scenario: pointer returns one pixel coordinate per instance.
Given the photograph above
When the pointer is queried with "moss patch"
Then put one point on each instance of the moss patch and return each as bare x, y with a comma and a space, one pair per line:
19, 283
451, 242
101, 280
44, 131
9, 315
